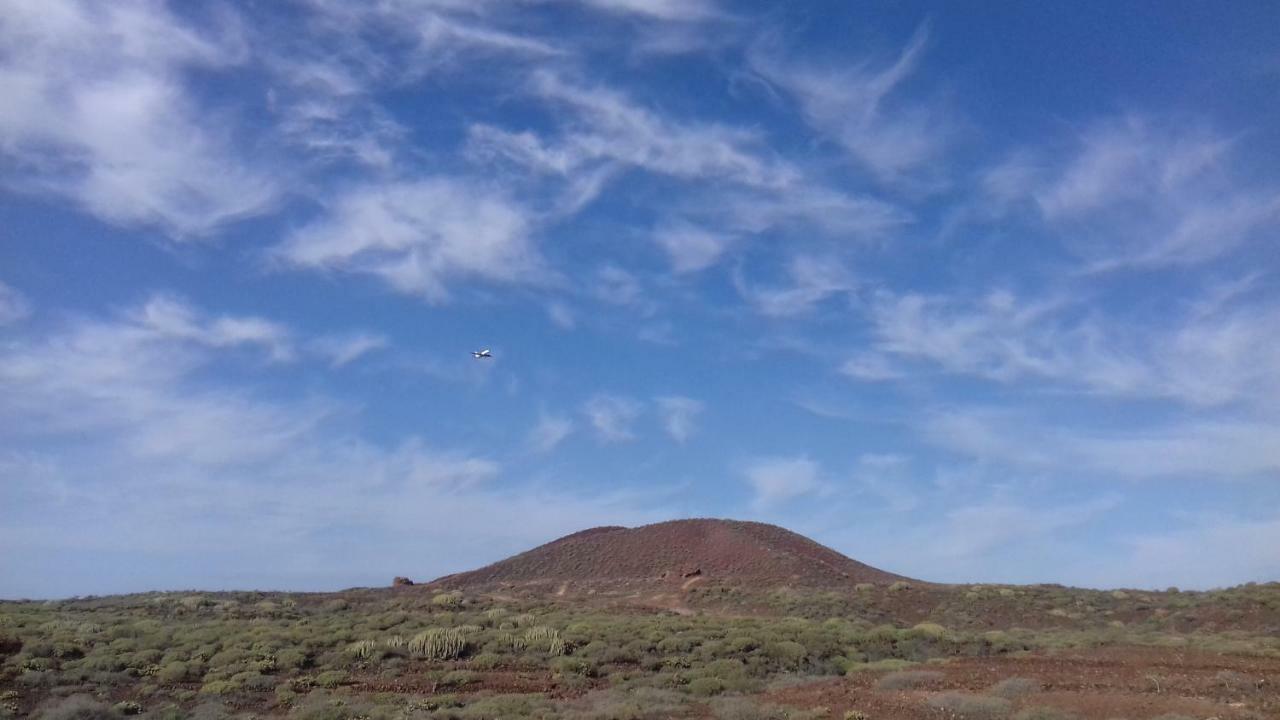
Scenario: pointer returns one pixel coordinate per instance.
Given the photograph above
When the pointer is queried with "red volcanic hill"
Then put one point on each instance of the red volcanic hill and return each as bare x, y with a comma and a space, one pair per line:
719, 551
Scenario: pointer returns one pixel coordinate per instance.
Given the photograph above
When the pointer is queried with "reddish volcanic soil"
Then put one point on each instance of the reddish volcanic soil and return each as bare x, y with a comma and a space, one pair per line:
683, 551
1095, 684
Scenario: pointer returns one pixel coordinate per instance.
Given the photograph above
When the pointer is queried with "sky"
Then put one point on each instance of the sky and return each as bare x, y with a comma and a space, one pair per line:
971, 294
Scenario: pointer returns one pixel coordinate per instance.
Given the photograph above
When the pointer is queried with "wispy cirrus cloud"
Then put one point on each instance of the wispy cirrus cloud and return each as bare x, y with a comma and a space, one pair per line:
14, 306
1138, 192
171, 318
604, 127
691, 248
671, 10
1224, 449
133, 381
679, 415
342, 350
812, 280
862, 108
549, 432
612, 416
776, 480
1213, 351
97, 110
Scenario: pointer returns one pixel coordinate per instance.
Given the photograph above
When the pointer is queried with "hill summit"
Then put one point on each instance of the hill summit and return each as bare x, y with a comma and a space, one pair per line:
719, 551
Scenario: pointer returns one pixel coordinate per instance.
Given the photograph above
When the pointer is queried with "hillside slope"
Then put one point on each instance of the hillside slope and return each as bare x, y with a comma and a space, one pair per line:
721, 551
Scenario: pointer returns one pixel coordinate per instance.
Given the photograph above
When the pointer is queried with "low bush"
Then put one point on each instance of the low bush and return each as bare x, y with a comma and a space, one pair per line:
1015, 687
76, 707
331, 678
438, 644
459, 678
878, 665
905, 679
706, 686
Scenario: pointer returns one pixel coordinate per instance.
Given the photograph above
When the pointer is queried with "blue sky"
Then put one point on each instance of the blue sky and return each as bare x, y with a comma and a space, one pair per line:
971, 295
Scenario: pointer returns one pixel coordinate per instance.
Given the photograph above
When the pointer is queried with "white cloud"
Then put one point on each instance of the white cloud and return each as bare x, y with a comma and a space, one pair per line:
887, 477
132, 380
857, 106
342, 350
96, 109
439, 35
1211, 351
1135, 192
420, 236
617, 286
326, 108
604, 126
679, 416
870, 367
776, 480
612, 416
550, 431
151, 455
691, 248
811, 207
13, 305
979, 529
1211, 449
1206, 552
813, 280
680, 10
170, 317
562, 316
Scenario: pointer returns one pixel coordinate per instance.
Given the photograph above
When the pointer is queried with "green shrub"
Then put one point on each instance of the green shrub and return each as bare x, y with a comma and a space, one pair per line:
459, 678
928, 629
452, 599
904, 679
879, 665
486, 661
254, 681
127, 707
176, 672
788, 653
706, 686
75, 707
331, 678
438, 644
218, 687
363, 649
573, 666
1015, 687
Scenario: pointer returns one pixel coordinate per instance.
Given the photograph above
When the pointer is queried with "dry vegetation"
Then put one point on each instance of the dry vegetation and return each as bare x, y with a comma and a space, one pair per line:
870, 652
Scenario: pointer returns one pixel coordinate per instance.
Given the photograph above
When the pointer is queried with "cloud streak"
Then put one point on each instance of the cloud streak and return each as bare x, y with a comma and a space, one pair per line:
97, 111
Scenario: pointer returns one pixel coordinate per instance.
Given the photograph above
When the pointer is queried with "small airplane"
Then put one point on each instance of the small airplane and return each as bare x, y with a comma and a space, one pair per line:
480, 354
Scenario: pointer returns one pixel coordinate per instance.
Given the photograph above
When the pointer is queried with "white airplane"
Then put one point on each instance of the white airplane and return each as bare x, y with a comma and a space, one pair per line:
479, 354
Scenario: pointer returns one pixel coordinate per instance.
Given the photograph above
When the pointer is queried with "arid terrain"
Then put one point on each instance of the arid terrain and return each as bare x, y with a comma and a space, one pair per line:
696, 619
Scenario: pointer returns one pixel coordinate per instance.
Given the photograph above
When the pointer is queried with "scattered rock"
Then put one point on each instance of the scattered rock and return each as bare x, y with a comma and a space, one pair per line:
401, 581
